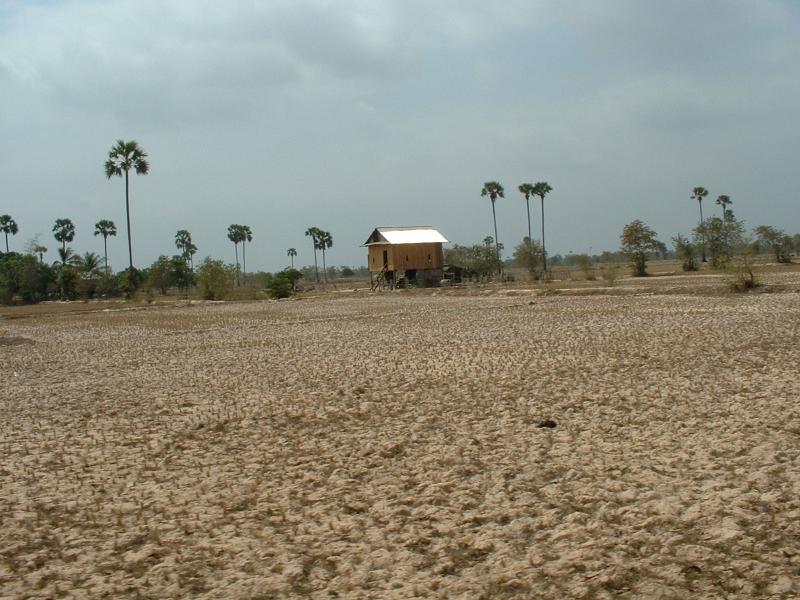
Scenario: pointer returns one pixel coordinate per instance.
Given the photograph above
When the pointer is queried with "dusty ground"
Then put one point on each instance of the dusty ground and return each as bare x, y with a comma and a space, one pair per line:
388, 447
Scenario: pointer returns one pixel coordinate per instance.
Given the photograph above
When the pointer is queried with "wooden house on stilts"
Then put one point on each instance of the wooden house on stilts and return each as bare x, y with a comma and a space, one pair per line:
405, 254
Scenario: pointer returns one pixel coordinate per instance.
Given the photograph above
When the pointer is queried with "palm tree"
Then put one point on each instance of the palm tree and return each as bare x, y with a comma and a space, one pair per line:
724, 201
8, 225
89, 263
291, 253
236, 235
40, 250
123, 157
698, 194
526, 189
325, 241
68, 258
105, 228
247, 236
191, 250
494, 190
64, 231
541, 189
313, 233
183, 241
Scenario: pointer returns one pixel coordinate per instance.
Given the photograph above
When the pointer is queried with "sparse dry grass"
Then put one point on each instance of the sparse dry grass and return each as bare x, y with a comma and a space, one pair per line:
388, 446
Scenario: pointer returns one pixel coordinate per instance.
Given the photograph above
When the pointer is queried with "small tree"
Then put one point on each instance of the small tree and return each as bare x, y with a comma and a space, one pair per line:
686, 252
182, 274
775, 240
160, 275
637, 241
282, 284
721, 238
528, 255
215, 279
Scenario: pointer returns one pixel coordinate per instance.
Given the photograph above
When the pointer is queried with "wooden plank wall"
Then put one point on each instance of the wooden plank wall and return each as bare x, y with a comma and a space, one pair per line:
407, 256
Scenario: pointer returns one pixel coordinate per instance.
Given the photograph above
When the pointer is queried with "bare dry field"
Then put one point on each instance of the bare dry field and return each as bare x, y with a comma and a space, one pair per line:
389, 446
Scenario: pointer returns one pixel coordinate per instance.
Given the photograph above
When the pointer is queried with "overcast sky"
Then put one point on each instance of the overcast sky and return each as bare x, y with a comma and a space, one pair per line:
349, 115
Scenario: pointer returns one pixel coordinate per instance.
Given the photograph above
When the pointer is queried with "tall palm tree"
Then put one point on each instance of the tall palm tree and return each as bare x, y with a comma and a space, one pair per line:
313, 233
541, 189
291, 253
105, 228
325, 241
64, 231
724, 201
526, 189
183, 242
247, 236
236, 235
698, 194
8, 225
123, 157
494, 190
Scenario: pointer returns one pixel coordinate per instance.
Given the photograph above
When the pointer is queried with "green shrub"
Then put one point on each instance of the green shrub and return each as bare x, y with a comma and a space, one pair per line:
282, 284
743, 277
215, 279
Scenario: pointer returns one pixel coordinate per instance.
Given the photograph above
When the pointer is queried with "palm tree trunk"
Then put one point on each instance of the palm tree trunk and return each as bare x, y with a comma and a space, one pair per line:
128, 217
236, 250
6, 241
496, 241
324, 266
244, 262
528, 208
105, 251
291, 258
544, 253
316, 270
700, 203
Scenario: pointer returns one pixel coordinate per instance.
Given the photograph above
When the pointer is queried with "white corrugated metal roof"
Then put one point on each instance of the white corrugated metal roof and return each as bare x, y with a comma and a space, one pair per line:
407, 235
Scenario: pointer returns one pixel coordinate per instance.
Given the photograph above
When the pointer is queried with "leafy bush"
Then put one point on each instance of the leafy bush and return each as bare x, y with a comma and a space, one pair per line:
686, 252
584, 264
479, 260
528, 255
722, 238
743, 274
108, 286
159, 275
610, 272
775, 240
129, 281
215, 279
25, 279
282, 284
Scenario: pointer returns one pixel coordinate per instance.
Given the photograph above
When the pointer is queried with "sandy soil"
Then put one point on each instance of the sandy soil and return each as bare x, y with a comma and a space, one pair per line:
389, 447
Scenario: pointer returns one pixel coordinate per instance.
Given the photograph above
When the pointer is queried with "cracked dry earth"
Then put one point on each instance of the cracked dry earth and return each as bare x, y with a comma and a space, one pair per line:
389, 447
